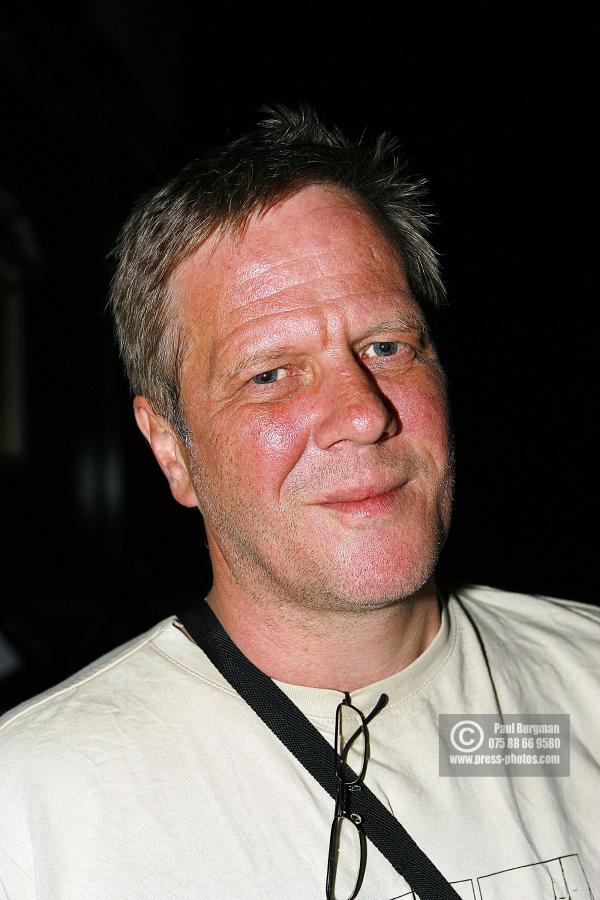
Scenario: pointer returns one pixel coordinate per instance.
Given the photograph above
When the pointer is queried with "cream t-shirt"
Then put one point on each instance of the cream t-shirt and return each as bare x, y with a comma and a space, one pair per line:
146, 776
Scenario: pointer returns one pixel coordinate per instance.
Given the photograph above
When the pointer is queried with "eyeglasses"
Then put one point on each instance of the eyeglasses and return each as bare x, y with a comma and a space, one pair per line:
347, 834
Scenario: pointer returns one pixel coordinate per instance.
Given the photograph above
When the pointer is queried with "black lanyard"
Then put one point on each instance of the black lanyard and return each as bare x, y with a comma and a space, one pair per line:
311, 749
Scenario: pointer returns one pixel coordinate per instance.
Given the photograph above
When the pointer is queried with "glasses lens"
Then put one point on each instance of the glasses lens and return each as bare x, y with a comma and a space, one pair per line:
346, 859
351, 744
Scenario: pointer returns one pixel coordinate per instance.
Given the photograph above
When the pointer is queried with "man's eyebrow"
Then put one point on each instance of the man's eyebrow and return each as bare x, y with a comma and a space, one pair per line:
253, 355
404, 322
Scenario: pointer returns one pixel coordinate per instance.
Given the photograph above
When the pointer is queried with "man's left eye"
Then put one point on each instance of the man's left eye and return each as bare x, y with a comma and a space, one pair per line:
382, 348
267, 377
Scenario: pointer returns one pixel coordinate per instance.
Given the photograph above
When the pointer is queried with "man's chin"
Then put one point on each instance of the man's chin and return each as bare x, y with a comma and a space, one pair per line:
379, 571
377, 591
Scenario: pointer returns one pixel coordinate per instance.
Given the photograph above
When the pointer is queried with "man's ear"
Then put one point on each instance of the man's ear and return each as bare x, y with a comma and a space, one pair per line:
167, 450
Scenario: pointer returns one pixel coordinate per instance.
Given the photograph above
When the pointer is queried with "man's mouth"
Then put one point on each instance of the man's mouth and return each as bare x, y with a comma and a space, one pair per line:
363, 502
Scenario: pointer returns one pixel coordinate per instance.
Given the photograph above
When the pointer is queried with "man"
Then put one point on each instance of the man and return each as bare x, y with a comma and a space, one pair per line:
271, 304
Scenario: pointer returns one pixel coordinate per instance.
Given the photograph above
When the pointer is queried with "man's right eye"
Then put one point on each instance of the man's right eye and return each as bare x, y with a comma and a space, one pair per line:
267, 377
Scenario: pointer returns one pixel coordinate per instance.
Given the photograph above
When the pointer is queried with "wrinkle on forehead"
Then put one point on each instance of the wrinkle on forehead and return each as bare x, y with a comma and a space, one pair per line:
333, 319
288, 234
257, 279
308, 294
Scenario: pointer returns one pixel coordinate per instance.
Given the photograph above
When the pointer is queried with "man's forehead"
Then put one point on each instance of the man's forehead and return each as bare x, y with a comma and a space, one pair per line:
319, 242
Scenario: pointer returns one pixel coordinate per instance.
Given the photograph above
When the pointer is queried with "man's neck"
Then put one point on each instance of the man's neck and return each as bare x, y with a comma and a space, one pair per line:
342, 651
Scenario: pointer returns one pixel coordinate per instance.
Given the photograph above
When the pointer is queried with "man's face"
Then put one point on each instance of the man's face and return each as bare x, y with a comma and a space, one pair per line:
308, 387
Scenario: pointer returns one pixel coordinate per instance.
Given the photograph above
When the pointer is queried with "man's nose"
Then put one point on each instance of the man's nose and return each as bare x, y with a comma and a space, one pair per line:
355, 409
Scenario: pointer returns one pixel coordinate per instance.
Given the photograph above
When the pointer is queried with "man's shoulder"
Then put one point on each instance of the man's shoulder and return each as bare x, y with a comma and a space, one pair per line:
537, 620
526, 607
88, 692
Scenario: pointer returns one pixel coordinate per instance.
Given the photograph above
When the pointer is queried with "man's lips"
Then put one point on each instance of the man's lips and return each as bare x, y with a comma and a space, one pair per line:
363, 501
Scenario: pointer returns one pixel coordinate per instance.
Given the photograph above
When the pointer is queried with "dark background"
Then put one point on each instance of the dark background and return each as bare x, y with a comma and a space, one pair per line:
103, 101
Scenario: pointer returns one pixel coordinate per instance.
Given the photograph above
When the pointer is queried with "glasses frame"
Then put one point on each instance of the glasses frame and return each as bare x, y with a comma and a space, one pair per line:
345, 785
